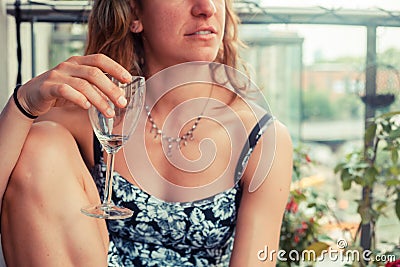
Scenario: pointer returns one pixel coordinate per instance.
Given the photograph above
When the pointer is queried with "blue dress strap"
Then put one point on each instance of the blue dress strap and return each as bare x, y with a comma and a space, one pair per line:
252, 141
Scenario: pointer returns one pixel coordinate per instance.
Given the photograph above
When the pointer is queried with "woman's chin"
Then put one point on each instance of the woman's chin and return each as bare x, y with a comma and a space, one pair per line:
203, 57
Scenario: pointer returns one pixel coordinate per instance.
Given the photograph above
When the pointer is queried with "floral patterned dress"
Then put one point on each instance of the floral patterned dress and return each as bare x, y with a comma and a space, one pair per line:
172, 234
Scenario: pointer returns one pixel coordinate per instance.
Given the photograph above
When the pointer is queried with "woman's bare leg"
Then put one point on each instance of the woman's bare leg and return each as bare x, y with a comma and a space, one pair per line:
41, 221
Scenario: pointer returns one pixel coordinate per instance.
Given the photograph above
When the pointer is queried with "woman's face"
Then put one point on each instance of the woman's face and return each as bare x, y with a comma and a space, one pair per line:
177, 31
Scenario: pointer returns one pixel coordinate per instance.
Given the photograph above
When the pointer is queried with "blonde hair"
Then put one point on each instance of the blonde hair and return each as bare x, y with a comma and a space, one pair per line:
109, 33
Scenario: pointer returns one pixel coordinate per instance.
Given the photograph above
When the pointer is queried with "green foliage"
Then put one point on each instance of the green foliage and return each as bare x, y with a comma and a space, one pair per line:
316, 104
301, 228
391, 57
377, 165
359, 61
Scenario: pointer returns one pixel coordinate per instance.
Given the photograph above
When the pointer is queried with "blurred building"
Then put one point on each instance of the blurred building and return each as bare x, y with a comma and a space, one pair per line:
275, 60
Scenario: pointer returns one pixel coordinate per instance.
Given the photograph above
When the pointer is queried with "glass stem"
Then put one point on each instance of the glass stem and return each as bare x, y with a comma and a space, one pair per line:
109, 179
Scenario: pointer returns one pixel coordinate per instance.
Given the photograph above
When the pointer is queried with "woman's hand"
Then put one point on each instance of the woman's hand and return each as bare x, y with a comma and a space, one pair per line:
79, 80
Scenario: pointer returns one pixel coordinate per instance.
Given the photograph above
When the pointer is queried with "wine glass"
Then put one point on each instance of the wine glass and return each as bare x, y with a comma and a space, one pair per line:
113, 134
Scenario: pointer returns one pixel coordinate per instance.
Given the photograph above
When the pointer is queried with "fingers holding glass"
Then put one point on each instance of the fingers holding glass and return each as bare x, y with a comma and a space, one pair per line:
84, 78
102, 63
79, 80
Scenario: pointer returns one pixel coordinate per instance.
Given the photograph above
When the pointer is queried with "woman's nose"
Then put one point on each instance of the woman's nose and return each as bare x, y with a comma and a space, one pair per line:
204, 8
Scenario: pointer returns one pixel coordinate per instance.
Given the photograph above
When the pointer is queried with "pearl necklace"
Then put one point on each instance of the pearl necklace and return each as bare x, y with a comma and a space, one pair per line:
188, 136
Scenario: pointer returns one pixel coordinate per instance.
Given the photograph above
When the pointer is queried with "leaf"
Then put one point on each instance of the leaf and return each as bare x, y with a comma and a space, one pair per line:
346, 185
299, 197
394, 170
360, 181
370, 176
395, 155
381, 206
392, 182
346, 180
389, 114
394, 134
317, 247
397, 205
339, 167
370, 133
386, 127
295, 176
326, 237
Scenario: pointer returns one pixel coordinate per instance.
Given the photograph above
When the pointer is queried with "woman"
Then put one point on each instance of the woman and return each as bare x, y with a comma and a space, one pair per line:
48, 161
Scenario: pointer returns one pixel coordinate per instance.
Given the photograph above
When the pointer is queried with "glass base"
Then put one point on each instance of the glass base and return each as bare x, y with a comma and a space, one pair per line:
107, 211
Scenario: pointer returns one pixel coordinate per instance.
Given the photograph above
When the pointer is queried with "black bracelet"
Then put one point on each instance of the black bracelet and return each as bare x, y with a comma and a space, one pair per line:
26, 113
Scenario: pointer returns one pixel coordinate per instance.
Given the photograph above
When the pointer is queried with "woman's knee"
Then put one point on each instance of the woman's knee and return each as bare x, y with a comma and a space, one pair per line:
42, 203
47, 143
48, 155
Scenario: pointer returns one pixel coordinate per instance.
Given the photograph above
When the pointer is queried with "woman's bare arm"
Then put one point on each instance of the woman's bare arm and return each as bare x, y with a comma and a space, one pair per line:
77, 80
261, 211
14, 127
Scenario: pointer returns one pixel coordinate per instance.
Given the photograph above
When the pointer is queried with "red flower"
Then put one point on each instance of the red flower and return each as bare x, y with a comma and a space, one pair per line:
300, 231
393, 264
297, 240
308, 159
292, 206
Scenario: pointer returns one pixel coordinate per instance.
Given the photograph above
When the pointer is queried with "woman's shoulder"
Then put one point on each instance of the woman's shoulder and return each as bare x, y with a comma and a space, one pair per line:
267, 138
250, 113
